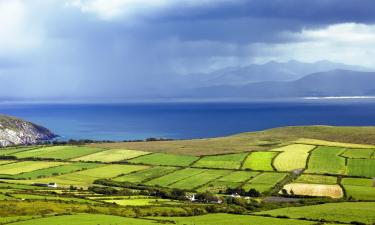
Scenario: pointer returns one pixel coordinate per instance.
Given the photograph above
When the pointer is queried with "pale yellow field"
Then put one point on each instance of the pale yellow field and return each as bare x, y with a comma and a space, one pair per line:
2, 162
292, 157
26, 166
112, 155
320, 190
331, 143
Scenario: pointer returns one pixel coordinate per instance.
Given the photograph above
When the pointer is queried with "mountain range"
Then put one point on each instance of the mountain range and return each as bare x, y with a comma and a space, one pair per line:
323, 84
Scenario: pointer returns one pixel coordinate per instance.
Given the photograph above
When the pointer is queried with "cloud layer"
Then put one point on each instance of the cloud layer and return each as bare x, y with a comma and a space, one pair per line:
126, 49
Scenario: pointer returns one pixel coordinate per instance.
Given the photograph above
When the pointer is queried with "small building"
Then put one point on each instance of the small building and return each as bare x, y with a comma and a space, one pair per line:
50, 185
235, 195
191, 197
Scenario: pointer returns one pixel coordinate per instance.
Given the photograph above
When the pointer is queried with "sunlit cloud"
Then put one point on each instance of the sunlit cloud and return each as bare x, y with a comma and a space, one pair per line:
349, 43
17, 32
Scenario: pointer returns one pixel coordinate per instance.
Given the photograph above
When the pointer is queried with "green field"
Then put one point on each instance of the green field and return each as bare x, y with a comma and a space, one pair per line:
264, 181
86, 177
292, 157
230, 161
232, 180
174, 177
326, 160
86, 219
345, 212
259, 161
161, 159
200, 179
211, 219
147, 174
26, 166
228, 219
10, 151
57, 152
2, 162
55, 171
361, 167
358, 153
139, 201
359, 188
316, 179
112, 155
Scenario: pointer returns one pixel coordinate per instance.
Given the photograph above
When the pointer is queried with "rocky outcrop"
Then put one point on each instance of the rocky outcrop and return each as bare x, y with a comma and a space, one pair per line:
14, 131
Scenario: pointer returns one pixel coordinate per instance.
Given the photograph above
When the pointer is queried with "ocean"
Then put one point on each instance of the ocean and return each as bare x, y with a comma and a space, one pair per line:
188, 120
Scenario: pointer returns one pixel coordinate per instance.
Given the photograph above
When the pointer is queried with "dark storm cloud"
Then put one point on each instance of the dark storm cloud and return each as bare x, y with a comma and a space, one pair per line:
81, 54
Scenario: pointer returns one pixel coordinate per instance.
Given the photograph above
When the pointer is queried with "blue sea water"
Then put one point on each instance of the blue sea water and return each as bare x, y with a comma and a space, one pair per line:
187, 120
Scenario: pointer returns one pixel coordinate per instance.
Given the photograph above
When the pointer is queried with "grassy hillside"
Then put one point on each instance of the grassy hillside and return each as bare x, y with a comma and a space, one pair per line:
262, 140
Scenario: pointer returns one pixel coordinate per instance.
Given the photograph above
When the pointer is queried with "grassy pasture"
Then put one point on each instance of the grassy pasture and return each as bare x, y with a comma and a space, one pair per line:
210, 219
361, 167
26, 166
86, 219
198, 180
345, 212
232, 180
162, 159
259, 161
112, 155
50, 197
327, 160
86, 177
10, 151
239, 176
358, 153
2, 162
55, 171
57, 152
292, 157
359, 188
319, 190
316, 179
174, 177
146, 174
265, 181
229, 161
230, 219
139, 201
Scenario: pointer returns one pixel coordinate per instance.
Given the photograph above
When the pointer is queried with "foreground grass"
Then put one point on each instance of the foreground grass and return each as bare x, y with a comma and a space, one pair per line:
343, 212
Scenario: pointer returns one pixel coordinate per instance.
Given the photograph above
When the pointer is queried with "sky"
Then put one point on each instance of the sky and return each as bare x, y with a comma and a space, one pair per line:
101, 50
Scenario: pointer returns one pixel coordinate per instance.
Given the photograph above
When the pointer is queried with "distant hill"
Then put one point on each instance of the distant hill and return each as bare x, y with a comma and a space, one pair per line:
254, 73
322, 84
14, 131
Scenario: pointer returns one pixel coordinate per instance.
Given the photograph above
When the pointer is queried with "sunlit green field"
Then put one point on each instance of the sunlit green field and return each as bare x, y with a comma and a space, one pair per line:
55, 171
26, 166
343, 212
165, 159
316, 179
259, 161
359, 188
147, 174
361, 167
112, 155
265, 181
327, 160
230, 161
57, 152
